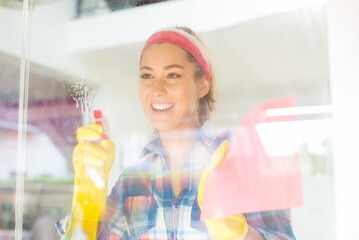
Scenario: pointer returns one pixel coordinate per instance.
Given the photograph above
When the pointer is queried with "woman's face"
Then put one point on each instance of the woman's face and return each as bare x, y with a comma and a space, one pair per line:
168, 90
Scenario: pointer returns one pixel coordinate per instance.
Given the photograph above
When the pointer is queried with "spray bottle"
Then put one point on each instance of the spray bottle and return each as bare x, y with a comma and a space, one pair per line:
87, 203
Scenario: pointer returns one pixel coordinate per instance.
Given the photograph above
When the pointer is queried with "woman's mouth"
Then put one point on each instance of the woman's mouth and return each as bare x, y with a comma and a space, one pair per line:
161, 106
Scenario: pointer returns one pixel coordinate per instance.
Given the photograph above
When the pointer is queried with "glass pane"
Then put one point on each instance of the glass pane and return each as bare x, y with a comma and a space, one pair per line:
54, 118
10, 56
86, 56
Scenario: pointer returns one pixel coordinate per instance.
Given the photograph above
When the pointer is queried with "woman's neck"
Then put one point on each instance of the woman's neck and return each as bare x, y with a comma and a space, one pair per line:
177, 145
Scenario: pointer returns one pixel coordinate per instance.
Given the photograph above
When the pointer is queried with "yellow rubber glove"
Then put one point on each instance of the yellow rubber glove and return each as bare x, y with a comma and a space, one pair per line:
92, 159
99, 152
230, 227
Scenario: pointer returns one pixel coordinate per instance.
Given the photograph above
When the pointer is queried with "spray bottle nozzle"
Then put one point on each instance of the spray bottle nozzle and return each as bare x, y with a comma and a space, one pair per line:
97, 114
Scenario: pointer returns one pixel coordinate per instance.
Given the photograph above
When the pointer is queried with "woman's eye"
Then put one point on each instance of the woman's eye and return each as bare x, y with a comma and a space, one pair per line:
174, 75
146, 76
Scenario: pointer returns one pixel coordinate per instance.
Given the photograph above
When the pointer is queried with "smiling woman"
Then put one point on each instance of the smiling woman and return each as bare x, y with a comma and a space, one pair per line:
169, 91
195, 59
157, 197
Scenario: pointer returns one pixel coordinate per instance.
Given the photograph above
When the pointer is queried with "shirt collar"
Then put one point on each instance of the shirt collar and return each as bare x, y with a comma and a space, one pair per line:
206, 134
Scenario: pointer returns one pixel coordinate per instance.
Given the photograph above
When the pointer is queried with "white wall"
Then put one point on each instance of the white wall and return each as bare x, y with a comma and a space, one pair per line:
134, 25
343, 30
48, 34
10, 34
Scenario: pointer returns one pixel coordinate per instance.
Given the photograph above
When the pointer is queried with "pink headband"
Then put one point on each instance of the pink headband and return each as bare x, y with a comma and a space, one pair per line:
187, 42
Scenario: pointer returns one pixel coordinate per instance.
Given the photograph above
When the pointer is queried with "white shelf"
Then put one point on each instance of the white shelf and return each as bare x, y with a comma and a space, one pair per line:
134, 25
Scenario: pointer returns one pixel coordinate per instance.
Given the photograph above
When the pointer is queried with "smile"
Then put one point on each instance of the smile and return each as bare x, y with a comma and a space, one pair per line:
161, 107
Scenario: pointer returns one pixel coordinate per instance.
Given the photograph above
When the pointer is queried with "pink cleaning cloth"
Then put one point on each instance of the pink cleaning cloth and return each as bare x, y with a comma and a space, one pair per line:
248, 180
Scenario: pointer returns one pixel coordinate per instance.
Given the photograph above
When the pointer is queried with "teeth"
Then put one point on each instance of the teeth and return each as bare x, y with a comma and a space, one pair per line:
162, 106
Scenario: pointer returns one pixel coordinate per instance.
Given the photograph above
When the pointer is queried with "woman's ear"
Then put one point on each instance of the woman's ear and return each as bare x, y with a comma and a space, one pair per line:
203, 87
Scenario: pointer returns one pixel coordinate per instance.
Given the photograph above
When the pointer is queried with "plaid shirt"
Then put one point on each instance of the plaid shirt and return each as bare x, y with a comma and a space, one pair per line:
142, 206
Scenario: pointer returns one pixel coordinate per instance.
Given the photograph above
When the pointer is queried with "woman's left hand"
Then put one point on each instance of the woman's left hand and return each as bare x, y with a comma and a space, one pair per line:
230, 227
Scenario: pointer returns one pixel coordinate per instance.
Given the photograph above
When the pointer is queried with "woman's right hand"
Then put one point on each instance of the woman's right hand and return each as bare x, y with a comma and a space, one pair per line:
92, 159
94, 153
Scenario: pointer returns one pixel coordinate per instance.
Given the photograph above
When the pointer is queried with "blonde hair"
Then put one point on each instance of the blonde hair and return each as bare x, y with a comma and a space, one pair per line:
206, 104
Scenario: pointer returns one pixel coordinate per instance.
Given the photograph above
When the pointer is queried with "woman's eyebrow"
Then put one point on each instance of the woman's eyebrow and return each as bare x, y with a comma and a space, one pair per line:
145, 67
173, 66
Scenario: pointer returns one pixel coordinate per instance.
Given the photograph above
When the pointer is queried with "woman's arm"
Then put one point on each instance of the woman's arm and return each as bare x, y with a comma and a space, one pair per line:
271, 224
253, 234
92, 159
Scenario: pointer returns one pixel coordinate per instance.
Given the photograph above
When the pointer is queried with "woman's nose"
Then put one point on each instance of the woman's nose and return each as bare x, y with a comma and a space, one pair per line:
159, 88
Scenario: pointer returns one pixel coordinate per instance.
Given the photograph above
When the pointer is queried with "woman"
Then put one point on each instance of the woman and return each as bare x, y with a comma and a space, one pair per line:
157, 197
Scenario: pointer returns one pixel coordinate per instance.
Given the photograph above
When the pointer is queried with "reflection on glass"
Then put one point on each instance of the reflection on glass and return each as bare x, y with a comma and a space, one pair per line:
256, 61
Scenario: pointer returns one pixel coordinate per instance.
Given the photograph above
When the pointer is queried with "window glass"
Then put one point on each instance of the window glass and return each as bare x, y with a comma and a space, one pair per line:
85, 55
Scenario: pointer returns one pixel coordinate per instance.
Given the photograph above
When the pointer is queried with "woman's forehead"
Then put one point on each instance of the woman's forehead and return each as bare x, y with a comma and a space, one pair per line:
161, 52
